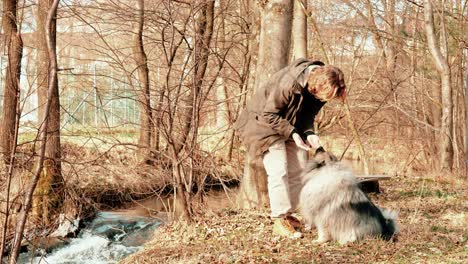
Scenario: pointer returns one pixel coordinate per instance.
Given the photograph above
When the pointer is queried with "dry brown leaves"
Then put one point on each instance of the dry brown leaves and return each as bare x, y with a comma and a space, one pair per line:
433, 217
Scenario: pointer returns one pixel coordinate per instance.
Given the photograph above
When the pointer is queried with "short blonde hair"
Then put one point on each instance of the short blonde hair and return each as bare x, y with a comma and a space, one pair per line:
326, 83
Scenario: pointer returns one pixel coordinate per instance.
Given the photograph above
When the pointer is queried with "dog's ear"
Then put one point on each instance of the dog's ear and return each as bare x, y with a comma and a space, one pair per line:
332, 157
319, 150
323, 157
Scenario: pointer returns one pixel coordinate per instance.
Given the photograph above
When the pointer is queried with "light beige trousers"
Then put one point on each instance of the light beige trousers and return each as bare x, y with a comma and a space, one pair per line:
283, 163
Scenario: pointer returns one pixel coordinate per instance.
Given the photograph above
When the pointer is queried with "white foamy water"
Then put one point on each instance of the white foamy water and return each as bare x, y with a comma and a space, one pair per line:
90, 249
107, 239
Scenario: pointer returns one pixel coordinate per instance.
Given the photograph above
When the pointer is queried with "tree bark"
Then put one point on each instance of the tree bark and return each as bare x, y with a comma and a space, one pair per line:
49, 192
182, 207
443, 68
10, 111
43, 132
275, 39
9, 177
274, 46
14, 45
146, 119
299, 30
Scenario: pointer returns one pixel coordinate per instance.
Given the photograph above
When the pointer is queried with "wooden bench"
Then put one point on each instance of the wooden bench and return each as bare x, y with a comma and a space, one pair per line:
370, 183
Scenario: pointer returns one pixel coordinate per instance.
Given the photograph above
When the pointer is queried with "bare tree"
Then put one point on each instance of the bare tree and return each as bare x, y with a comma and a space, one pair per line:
14, 45
43, 131
48, 193
247, 17
146, 120
10, 113
10, 110
275, 38
192, 104
442, 66
386, 48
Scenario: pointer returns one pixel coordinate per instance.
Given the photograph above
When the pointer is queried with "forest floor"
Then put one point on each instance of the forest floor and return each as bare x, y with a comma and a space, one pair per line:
432, 212
433, 219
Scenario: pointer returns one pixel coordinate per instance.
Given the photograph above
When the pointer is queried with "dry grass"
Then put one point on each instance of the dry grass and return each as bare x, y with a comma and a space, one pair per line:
433, 217
433, 213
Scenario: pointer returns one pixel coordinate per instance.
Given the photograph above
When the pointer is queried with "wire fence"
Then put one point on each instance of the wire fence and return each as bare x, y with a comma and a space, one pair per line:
90, 96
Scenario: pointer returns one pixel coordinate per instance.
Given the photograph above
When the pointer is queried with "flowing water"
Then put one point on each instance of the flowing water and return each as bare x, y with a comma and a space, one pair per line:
111, 236
107, 239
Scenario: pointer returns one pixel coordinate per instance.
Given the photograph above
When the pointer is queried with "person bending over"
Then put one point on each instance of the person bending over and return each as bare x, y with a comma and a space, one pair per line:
277, 125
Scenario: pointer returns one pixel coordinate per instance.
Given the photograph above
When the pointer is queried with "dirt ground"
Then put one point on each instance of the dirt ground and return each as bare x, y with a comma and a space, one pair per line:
432, 221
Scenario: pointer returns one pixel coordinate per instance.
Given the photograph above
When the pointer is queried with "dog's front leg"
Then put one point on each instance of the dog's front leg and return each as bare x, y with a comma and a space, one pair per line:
323, 235
308, 224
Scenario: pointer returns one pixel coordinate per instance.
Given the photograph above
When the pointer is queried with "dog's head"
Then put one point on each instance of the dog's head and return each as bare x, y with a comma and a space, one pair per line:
322, 157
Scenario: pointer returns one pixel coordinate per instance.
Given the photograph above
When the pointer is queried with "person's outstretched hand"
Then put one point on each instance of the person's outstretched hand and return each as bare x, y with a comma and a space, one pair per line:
314, 141
299, 142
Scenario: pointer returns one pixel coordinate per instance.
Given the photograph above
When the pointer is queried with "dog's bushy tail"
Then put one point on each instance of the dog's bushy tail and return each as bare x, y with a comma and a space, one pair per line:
390, 227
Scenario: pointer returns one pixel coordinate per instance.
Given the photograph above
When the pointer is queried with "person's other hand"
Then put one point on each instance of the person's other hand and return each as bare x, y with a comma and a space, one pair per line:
314, 141
299, 142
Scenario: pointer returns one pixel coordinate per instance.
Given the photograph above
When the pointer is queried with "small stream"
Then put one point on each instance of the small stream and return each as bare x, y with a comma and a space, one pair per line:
107, 239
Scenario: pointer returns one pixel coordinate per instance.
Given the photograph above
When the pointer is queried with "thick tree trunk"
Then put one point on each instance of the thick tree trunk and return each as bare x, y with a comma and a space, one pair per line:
49, 191
14, 45
43, 133
146, 120
254, 185
10, 113
299, 30
274, 46
182, 207
275, 39
446, 144
442, 66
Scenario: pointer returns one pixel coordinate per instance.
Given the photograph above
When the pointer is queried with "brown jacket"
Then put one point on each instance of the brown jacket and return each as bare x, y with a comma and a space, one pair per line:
277, 109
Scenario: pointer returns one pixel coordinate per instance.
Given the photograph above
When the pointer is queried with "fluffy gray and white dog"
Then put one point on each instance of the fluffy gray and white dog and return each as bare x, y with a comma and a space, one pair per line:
331, 200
